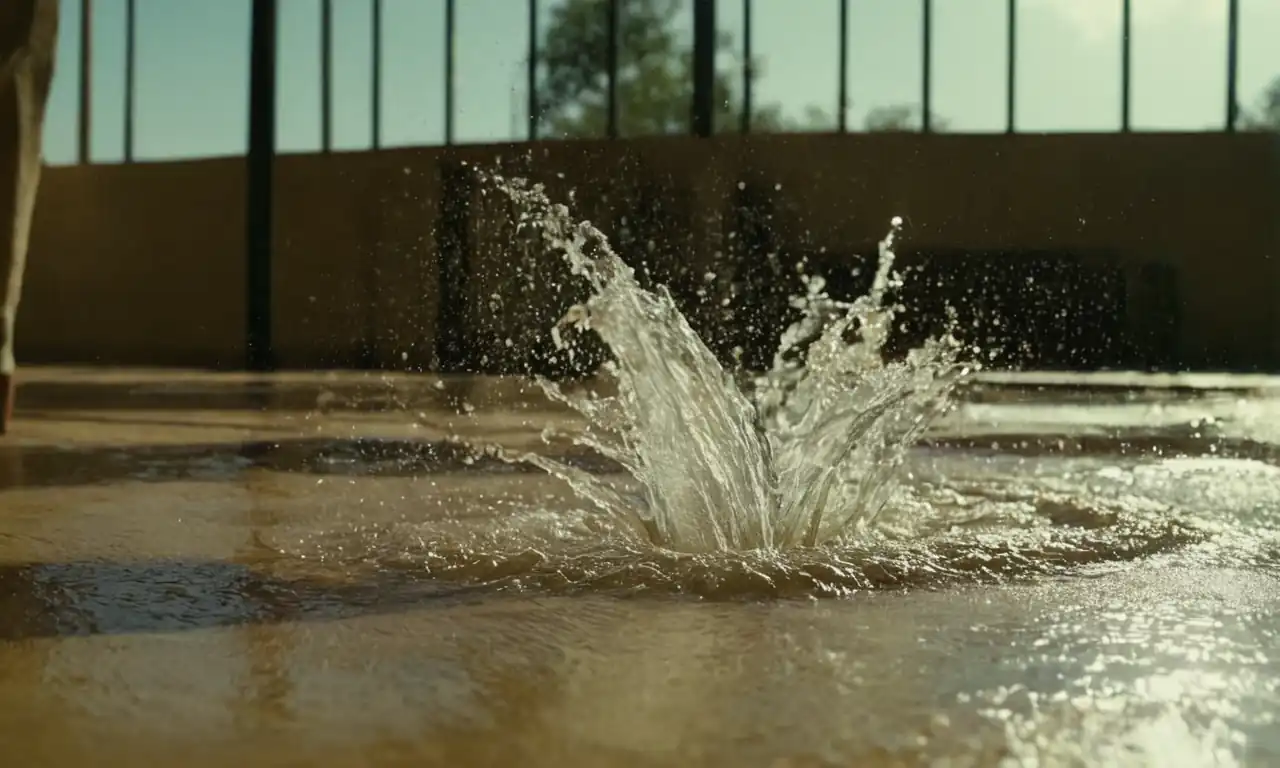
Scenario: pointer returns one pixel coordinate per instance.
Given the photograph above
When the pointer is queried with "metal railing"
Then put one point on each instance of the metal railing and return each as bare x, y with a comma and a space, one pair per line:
262, 103
703, 44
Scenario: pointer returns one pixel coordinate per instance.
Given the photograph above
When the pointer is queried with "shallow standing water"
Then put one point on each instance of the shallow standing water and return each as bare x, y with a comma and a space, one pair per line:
210, 571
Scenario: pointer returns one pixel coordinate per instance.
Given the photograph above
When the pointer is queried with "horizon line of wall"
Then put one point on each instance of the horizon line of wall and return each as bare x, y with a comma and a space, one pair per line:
1144, 250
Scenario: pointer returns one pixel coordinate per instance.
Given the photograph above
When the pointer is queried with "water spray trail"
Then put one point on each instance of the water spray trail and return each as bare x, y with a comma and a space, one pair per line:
811, 454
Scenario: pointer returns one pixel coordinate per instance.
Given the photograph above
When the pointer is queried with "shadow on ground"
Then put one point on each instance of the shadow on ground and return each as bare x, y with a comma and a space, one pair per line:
447, 393
62, 466
111, 598
48, 466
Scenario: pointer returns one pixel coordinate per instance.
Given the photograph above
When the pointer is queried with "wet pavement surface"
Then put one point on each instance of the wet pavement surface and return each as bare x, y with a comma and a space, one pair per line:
309, 570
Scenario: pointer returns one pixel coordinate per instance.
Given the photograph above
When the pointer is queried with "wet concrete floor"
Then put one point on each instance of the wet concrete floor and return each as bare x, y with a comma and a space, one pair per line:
203, 570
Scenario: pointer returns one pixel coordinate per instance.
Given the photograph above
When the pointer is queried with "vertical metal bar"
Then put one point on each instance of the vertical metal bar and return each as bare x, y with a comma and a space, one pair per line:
326, 75
532, 84
704, 67
1126, 65
130, 66
85, 116
843, 105
748, 72
449, 12
1233, 51
261, 156
1011, 76
611, 68
926, 75
375, 76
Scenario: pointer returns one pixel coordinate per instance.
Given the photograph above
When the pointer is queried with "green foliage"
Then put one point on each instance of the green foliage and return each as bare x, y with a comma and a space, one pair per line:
902, 117
1266, 116
655, 71
655, 77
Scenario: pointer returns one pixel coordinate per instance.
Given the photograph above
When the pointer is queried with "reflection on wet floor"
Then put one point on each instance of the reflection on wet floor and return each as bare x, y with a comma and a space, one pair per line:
1159, 669
60, 466
67, 465
358, 395
40, 600
1093, 593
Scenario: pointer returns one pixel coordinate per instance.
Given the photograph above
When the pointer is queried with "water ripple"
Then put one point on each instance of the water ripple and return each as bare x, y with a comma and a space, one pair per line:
618, 565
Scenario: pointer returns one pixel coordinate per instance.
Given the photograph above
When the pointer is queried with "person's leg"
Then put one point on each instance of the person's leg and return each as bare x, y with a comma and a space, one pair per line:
28, 37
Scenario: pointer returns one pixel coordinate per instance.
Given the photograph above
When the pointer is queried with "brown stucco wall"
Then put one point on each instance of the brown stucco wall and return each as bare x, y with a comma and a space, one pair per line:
144, 263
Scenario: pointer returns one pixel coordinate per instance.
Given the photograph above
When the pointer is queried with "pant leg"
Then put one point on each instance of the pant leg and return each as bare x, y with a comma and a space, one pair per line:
28, 37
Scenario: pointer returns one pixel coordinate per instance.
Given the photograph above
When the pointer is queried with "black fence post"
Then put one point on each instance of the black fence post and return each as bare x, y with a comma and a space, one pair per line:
1126, 65
261, 156
926, 68
450, 12
85, 113
375, 76
611, 66
326, 75
843, 100
1233, 52
704, 67
130, 67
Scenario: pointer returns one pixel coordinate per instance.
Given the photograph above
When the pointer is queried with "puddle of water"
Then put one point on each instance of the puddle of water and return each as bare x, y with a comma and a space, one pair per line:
1171, 666
1096, 599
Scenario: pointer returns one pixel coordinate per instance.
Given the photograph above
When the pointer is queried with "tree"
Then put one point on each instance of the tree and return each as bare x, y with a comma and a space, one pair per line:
655, 74
902, 117
655, 78
1266, 116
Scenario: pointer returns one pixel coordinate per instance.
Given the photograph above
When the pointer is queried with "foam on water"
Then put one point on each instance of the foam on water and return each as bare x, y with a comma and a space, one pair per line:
810, 454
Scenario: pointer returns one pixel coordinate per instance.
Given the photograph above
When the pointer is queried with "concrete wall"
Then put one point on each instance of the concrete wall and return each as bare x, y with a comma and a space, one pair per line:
144, 263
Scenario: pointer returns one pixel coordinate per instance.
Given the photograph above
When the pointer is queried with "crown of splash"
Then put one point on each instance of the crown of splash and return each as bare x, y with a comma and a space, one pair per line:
811, 454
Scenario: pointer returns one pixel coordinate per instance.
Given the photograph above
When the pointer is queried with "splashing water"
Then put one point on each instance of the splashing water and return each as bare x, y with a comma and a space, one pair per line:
811, 454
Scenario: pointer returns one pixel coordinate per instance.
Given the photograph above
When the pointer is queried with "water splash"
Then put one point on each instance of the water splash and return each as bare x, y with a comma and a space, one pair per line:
936, 534
812, 453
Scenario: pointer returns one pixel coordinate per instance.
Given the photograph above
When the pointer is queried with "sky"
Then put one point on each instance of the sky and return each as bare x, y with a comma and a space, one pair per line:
193, 64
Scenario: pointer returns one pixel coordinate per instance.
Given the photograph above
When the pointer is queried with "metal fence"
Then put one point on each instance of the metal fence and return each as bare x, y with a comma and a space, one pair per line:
704, 43
262, 102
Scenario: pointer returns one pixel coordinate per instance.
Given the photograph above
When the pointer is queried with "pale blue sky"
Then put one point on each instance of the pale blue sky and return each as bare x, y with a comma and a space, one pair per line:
192, 75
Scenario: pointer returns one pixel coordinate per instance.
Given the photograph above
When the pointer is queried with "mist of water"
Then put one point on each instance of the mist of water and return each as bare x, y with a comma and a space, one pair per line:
811, 453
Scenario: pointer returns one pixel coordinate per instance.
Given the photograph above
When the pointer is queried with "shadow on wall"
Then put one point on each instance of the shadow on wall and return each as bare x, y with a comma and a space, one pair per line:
1028, 310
